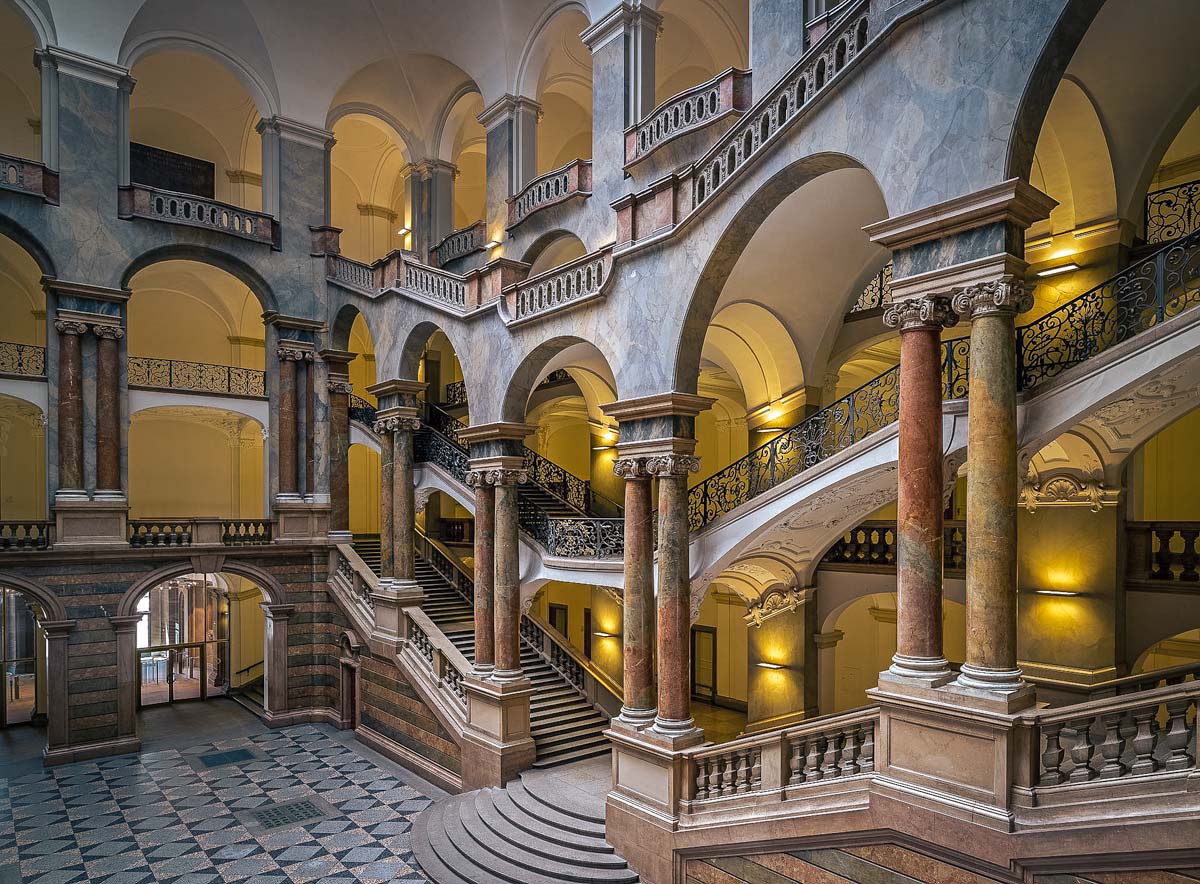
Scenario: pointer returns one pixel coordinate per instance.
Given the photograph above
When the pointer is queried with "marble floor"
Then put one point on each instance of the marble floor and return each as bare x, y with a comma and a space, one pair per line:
190, 807
720, 724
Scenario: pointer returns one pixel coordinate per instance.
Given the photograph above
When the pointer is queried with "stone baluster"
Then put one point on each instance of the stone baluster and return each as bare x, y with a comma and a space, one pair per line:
108, 409
991, 659
639, 708
70, 407
919, 509
484, 564
674, 716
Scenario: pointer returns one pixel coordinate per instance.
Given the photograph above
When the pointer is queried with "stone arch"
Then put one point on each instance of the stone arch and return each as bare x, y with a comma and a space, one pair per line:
359, 108
272, 590
40, 21
736, 237
408, 358
343, 322
231, 264
534, 367
50, 603
443, 132
533, 54
552, 249
29, 243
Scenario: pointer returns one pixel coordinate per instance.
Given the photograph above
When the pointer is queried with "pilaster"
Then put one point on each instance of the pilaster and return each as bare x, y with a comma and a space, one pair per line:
511, 124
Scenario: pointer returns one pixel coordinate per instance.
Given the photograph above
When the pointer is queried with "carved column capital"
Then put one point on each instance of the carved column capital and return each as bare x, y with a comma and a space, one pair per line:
386, 425
70, 327
668, 465
408, 424
507, 477
922, 311
630, 468
288, 353
344, 387
998, 296
111, 332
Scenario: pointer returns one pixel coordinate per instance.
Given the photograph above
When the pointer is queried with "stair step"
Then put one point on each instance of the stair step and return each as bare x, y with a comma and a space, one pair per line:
455, 866
573, 716
554, 744
536, 835
551, 816
555, 759
546, 790
552, 729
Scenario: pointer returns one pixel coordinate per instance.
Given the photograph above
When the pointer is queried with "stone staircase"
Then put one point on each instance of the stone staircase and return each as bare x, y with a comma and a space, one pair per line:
564, 725
525, 833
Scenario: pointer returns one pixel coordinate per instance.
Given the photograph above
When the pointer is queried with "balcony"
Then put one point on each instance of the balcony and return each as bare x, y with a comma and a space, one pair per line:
459, 243
197, 531
196, 377
140, 201
701, 106
572, 180
26, 360
350, 273
561, 288
26, 176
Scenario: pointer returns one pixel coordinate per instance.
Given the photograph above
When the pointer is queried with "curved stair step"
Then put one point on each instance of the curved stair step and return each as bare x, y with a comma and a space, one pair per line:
546, 789
551, 816
528, 829
438, 857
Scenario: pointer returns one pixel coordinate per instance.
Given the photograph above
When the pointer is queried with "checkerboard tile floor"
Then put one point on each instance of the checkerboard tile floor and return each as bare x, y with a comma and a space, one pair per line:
152, 817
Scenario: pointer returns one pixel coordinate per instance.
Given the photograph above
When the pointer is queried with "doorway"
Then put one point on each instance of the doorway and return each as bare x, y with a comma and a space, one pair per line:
704, 663
559, 619
21, 645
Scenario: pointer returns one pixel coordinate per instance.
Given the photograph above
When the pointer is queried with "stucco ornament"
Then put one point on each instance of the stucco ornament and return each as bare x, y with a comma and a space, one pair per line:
777, 600
922, 311
994, 297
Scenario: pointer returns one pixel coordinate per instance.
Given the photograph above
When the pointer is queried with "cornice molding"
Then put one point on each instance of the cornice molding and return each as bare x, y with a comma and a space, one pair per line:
616, 22
61, 287
84, 67
505, 107
294, 130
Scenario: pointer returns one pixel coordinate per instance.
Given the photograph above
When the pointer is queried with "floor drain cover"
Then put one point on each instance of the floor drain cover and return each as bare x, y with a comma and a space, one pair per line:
233, 756
286, 813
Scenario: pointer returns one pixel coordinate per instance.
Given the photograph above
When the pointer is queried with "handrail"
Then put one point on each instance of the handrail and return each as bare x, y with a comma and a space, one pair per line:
361, 410
686, 111
876, 294
550, 189
354, 274
460, 243
174, 207
22, 359
28, 176
248, 668
577, 281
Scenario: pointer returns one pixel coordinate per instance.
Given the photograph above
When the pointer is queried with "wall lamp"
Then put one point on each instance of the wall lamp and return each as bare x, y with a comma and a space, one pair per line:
768, 429
403, 231
599, 634
603, 447
1066, 592
765, 665
1052, 271
491, 244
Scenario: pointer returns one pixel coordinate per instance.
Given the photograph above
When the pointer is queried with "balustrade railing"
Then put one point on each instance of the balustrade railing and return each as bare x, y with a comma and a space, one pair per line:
140, 201
1120, 737
1163, 552
199, 531
27, 176
361, 410
573, 179
871, 545
580, 672
448, 569
349, 272
23, 536
456, 530
877, 293
159, 532
246, 532
200, 377
842, 747
687, 111
23, 359
441, 664
456, 393
460, 243
356, 578
1172, 212
437, 285
1145, 294
760, 124
585, 277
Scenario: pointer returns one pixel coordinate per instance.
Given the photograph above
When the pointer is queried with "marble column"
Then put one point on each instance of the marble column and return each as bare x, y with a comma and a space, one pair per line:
384, 429
674, 716
289, 485
339, 452
991, 662
640, 706
310, 428
403, 498
275, 660
70, 405
485, 563
108, 408
919, 506
507, 576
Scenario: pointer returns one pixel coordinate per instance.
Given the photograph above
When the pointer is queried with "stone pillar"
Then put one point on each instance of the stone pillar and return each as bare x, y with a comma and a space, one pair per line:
310, 428
403, 502
508, 577
70, 408
289, 484
640, 706
919, 507
485, 563
125, 628
275, 659
826, 644
387, 561
58, 735
776, 40
674, 717
339, 453
991, 662
108, 410
511, 124
431, 203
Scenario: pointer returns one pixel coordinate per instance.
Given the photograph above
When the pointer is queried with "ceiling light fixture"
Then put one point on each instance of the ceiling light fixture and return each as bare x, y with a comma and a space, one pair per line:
1053, 271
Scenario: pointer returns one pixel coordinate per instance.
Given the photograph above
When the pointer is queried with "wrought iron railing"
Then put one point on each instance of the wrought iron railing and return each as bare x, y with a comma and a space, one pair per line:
456, 393
430, 446
1144, 295
877, 293
556, 377
22, 536
201, 377
24, 359
1173, 212
361, 410
140, 201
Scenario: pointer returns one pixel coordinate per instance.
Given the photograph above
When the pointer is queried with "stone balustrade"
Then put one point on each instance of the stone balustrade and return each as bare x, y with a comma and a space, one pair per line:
26, 176
562, 287
435, 285
442, 665
350, 273
23, 536
601, 691
357, 582
573, 179
24, 359
1163, 553
140, 201
198, 377
871, 546
199, 531
459, 243
695, 108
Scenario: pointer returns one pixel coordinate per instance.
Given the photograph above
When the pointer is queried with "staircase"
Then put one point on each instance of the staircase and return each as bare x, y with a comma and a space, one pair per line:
525, 833
564, 725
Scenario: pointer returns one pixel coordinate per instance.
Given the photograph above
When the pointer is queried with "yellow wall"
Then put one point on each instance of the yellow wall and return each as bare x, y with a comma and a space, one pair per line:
22, 460
1163, 482
246, 628
606, 617
778, 696
364, 490
726, 612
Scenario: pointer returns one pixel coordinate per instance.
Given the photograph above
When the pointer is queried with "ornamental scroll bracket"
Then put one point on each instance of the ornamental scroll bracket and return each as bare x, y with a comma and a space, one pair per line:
776, 601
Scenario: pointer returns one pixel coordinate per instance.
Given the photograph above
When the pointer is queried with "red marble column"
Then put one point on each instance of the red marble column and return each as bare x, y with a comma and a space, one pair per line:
288, 475
674, 609
403, 498
991, 662
485, 563
387, 560
919, 506
339, 452
508, 576
70, 404
639, 708
310, 427
108, 407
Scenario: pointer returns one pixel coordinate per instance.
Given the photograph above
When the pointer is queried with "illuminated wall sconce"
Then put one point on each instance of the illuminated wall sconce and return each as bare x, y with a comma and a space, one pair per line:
403, 231
765, 665
600, 634
491, 244
1052, 271
1065, 592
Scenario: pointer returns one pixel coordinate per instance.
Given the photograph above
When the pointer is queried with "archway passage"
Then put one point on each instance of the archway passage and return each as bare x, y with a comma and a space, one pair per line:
23, 660
199, 637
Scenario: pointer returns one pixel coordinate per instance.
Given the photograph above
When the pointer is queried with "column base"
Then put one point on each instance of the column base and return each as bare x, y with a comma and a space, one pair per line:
498, 745
674, 733
929, 672
634, 719
507, 676
998, 681
300, 522
82, 522
482, 670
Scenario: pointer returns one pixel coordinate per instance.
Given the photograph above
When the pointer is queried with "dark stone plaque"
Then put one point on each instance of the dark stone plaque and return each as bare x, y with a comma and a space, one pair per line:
165, 170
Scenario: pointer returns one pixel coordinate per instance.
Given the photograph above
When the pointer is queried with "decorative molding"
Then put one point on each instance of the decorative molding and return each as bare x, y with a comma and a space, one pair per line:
1006, 296
339, 386
776, 601
631, 468
397, 424
370, 210
505, 108
1066, 490
672, 465
243, 176
107, 330
294, 130
617, 23
484, 478
75, 64
70, 327
920, 312
294, 351
60, 287
421, 499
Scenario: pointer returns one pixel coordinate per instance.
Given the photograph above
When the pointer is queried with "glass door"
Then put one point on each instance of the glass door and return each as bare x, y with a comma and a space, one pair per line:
171, 673
19, 637
704, 663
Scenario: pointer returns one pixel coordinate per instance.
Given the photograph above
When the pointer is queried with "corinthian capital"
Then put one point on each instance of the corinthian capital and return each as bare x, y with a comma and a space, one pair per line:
667, 465
386, 425
997, 296
288, 353
507, 477
630, 468
344, 387
922, 311
70, 327
111, 332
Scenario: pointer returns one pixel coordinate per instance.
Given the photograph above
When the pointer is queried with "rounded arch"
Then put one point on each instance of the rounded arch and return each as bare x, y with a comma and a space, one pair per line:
50, 604
272, 590
449, 119
408, 360
40, 21
343, 324
552, 249
29, 243
231, 264
536, 49
734, 241
538, 363
408, 139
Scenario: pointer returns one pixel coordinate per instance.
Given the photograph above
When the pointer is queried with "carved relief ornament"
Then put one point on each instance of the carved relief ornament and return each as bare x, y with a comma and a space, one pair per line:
922, 311
668, 465
343, 387
630, 468
111, 332
995, 297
